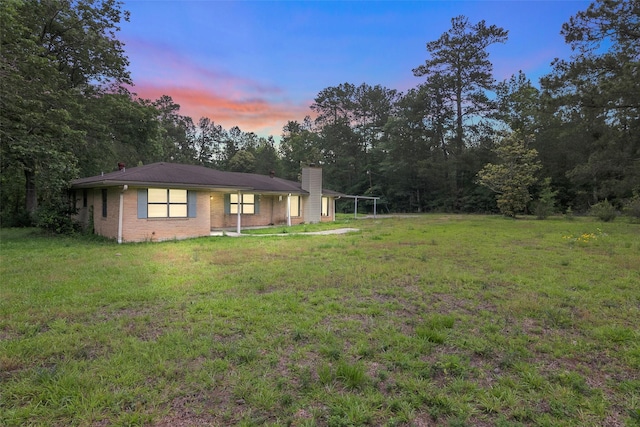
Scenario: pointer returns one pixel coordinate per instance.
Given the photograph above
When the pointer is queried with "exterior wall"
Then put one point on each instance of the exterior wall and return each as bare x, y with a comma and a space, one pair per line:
210, 215
332, 211
82, 212
107, 227
156, 229
217, 216
273, 211
133, 228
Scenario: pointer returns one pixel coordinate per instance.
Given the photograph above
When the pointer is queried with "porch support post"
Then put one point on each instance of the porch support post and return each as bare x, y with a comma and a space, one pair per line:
334, 209
355, 210
374, 206
239, 212
289, 210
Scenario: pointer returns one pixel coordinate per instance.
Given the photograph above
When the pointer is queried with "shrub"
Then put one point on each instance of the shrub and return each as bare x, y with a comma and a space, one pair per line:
632, 206
568, 215
56, 218
545, 205
604, 211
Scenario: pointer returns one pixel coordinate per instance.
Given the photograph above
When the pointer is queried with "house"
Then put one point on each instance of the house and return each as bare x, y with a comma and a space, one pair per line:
162, 201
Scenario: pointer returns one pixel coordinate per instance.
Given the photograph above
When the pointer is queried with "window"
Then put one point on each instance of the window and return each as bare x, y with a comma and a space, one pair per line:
166, 203
246, 202
325, 206
294, 208
84, 198
104, 203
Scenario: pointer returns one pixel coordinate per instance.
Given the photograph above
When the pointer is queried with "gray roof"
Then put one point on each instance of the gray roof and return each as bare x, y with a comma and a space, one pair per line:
190, 176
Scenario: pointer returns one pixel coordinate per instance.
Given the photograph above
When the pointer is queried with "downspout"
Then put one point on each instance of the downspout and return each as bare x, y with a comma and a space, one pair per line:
289, 210
239, 212
121, 212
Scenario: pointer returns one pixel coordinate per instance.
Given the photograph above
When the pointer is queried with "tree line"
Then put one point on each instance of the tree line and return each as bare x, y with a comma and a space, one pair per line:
459, 141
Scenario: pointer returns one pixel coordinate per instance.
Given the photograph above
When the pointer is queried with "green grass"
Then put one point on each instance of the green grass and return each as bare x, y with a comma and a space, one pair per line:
433, 320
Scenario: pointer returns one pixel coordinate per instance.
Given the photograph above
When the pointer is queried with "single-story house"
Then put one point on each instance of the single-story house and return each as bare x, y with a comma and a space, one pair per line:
163, 201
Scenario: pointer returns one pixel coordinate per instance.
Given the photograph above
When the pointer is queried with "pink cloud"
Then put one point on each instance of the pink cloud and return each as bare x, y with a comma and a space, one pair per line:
257, 115
203, 91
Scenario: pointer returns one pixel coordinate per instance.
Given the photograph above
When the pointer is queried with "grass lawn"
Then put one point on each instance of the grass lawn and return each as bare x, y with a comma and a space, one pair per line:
435, 320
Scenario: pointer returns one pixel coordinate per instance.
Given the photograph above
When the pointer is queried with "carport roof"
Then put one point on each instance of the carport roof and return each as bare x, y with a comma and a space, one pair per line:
176, 175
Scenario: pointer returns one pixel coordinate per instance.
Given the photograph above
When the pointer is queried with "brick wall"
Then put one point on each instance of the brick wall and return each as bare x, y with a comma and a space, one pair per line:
272, 211
210, 215
158, 229
105, 226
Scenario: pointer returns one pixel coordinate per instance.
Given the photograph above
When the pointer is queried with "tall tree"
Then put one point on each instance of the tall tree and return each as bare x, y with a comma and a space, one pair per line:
334, 105
177, 132
350, 123
118, 128
518, 103
208, 144
460, 57
372, 106
299, 144
459, 65
597, 92
403, 158
267, 160
54, 55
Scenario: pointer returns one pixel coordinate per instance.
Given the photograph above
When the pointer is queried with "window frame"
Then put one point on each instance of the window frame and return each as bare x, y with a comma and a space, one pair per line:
247, 203
176, 198
104, 202
298, 213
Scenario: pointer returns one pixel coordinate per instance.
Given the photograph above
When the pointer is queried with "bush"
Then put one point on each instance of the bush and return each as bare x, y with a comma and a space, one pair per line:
56, 218
19, 218
632, 206
545, 205
604, 211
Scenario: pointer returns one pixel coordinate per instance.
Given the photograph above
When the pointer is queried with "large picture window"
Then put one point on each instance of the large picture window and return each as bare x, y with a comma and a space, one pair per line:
244, 203
294, 208
325, 206
167, 203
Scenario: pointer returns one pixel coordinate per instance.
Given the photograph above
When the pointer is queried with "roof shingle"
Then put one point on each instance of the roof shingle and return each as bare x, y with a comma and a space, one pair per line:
190, 176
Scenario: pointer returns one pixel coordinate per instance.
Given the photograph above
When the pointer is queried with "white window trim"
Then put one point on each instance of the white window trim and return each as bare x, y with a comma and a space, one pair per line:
171, 193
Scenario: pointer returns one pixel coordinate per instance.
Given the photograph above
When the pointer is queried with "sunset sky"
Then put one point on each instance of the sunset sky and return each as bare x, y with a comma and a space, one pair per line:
259, 64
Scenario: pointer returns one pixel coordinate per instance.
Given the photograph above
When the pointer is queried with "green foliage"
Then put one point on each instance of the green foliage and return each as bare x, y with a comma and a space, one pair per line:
65, 112
55, 57
242, 161
594, 97
604, 211
513, 176
56, 218
545, 205
632, 206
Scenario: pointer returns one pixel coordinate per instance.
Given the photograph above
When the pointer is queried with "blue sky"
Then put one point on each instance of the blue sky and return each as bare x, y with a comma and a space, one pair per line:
258, 64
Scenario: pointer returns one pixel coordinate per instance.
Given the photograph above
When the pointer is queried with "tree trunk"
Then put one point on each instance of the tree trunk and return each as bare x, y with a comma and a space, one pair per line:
31, 199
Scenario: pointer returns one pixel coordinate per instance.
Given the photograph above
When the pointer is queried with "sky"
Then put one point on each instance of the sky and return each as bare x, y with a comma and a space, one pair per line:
259, 64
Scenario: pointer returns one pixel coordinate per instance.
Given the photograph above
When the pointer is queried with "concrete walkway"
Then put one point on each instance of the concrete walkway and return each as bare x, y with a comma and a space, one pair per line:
316, 233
